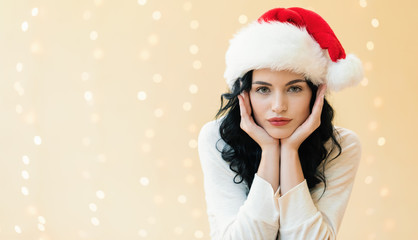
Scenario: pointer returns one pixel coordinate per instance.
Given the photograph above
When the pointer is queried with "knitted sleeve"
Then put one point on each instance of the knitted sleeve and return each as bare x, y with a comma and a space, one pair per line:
303, 214
232, 213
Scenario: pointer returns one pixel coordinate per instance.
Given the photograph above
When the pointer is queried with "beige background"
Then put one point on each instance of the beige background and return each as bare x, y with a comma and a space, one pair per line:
101, 103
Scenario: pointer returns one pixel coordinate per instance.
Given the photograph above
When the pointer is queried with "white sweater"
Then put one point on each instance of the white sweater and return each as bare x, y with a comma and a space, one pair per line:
238, 213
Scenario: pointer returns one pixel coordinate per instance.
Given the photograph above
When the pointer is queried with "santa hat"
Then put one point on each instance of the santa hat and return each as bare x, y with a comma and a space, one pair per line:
292, 39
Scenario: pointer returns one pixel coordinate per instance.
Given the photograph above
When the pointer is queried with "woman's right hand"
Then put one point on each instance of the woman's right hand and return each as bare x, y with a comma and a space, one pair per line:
248, 124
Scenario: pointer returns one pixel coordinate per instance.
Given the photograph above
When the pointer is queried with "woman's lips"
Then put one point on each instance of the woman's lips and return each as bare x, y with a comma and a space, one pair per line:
279, 121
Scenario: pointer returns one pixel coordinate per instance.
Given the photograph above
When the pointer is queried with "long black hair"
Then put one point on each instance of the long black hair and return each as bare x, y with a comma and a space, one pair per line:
244, 154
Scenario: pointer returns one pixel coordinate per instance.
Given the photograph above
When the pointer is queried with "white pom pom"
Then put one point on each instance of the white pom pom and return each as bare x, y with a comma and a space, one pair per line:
344, 73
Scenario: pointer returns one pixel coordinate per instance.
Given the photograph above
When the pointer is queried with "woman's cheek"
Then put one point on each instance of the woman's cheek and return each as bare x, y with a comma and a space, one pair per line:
257, 106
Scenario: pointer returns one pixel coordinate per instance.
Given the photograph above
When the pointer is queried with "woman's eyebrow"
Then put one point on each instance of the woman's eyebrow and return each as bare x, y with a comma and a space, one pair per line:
262, 83
295, 81
289, 83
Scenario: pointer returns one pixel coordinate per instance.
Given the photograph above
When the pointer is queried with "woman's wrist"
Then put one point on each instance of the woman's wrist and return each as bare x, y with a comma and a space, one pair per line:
270, 147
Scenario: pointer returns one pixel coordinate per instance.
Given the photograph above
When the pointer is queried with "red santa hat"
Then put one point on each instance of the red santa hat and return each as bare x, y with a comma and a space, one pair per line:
292, 39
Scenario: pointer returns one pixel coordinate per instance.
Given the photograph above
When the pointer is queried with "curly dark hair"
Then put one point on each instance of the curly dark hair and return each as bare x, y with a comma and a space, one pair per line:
244, 154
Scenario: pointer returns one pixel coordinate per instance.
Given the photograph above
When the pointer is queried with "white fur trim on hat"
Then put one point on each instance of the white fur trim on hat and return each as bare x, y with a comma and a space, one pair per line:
284, 46
344, 73
278, 46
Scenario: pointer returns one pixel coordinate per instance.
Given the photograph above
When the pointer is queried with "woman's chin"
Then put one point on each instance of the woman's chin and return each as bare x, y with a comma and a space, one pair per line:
279, 134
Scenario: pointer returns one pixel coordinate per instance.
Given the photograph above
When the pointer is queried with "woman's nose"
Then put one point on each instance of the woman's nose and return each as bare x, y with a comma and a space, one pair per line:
279, 103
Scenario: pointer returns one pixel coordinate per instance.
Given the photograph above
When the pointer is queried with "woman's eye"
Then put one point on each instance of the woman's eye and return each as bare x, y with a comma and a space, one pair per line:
295, 89
262, 90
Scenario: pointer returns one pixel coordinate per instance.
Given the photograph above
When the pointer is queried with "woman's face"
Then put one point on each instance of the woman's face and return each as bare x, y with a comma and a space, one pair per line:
279, 94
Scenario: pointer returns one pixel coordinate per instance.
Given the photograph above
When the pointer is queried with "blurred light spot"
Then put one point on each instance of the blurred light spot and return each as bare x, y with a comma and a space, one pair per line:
25, 175
193, 88
25, 26
32, 210
363, 3
85, 76
30, 118
98, 53
86, 141
153, 39
178, 230
193, 143
142, 233
372, 125
94, 35
190, 179
88, 96
93, 207
142, 2
142, 95
182, 199
158, 112
94, 117
196, 213
86, 15
242, 19
19, 109
187, 106
41, 219
19, 67
95, 221
35, 48
25, 160
192, 128
375, 22
194, 49
82, 234
370, 211
384, 192
144, 54
197, 65
198, 234
37, 140
41, 227
187, 6
158, 199
368, 66
157, 78
100, 194
35, 12
368, 180
160, 163
146, 147
152, 220
156, 15
188, 162
101, 158
370, 45
144, 181
390, 224
19, 89
194, 24
18, 229
378, 101
370, 159
25, 191
86, 175
98, 2
364, 82
149, 133
381, 141
371, 236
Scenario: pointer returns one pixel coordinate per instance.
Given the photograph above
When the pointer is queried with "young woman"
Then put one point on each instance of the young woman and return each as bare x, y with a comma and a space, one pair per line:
274, 165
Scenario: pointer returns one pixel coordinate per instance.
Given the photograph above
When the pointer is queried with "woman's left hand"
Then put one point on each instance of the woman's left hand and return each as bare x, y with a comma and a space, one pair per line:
294, 141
